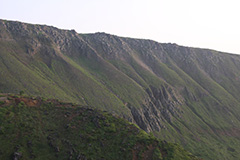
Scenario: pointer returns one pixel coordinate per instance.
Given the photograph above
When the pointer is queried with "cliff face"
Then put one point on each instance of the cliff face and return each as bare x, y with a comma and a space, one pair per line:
182, 94
160, 107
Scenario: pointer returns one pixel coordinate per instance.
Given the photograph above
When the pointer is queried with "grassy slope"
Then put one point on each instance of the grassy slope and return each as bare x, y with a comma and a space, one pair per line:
107, 72
49, 129
206, 121
18, 76
55, 79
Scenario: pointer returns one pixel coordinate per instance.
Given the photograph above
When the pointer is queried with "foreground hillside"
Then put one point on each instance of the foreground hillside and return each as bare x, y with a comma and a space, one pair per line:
36, 128
180, 94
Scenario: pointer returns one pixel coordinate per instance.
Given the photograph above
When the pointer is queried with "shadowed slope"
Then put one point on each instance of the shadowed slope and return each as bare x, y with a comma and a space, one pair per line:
35, 128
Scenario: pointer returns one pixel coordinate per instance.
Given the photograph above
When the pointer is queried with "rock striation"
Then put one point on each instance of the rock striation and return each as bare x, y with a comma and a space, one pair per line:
182, 94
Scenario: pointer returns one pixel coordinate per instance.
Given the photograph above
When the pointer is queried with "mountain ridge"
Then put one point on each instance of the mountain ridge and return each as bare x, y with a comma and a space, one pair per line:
181, 94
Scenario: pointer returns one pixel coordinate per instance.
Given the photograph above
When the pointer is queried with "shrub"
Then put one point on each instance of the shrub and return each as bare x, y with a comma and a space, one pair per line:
157, 154
2, 102
21, 93
21, 104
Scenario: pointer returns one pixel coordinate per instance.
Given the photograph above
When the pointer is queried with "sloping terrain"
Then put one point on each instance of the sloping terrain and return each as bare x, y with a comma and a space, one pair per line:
36, 128
181, 94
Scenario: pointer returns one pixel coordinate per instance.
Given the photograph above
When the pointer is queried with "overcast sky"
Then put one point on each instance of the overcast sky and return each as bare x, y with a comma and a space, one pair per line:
213, 24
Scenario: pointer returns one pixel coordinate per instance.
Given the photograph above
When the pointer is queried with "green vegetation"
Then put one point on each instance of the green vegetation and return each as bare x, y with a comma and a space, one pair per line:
184, 95
21, 93
35, 129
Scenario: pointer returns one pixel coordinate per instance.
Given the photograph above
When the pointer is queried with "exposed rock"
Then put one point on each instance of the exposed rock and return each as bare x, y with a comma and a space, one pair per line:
57, 149
96, 122
231, 149
160, 107
29, 144
17, 155
213, 77
3, 98
81, 157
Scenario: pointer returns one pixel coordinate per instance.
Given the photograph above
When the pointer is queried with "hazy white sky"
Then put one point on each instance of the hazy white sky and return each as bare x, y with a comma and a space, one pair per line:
213, 24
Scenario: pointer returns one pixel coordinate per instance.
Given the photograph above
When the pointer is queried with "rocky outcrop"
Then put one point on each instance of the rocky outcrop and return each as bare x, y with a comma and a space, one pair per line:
192, 91
161, 106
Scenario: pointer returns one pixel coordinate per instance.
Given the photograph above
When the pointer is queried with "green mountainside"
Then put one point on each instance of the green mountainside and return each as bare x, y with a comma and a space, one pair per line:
37, 128
184, 95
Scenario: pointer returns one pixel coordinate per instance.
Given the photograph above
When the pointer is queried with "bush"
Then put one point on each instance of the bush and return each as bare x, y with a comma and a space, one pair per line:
21, 93
2, 102
21, 104
157, 154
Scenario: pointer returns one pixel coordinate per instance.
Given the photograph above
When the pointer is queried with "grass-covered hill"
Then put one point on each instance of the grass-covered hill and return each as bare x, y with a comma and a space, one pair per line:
180, 94
37, 128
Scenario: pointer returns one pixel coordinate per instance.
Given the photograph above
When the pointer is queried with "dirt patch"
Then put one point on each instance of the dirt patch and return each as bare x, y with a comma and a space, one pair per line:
3, 98
27, 101
149, 152
142, 152
231, 132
